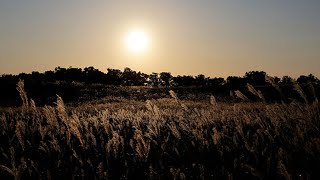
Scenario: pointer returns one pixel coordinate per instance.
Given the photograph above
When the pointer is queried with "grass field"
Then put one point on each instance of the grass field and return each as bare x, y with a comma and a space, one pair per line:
165, 138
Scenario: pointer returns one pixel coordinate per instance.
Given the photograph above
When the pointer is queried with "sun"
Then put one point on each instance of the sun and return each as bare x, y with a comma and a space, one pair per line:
137, 41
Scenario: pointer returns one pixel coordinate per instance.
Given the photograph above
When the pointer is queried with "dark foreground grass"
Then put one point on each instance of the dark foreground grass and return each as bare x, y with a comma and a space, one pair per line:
160, 139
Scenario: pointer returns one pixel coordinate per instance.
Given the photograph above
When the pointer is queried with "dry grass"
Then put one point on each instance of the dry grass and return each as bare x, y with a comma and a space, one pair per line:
161, 139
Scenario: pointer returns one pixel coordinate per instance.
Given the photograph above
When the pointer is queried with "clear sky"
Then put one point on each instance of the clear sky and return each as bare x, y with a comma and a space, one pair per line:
186, 37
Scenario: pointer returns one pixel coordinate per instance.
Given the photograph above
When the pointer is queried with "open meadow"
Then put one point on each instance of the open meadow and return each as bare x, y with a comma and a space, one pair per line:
165, 138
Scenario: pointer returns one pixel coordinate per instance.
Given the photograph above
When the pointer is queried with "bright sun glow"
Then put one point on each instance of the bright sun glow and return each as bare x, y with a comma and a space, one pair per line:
137, 41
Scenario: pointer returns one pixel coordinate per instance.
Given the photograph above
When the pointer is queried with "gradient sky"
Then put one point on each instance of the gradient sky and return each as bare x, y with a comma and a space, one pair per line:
212, 37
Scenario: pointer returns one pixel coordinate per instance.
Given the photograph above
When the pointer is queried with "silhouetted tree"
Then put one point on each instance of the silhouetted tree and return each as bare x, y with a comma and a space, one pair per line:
165, 78
50, 75
235, 82
216, 82
142, 79
60, 73
183, 81
92, 75
200, 80
114, 77
128, 76
132, 78
307, 79
74, 74
286, 80
256, 78
154, 79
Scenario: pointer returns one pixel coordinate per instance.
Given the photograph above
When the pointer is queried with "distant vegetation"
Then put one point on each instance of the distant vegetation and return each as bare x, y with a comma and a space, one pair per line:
82, 85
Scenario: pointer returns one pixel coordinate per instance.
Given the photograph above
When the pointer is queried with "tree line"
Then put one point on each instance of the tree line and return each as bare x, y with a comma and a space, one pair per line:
129, 77
60, 80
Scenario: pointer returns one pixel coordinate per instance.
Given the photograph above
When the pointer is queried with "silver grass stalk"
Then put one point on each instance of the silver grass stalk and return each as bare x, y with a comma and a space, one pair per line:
23, 94
255, 92
299, 90
240, 95
271, 81
312, 90
213, 102
174, 96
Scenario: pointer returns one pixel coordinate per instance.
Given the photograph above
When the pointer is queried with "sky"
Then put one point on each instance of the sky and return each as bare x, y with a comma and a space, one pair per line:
216, 38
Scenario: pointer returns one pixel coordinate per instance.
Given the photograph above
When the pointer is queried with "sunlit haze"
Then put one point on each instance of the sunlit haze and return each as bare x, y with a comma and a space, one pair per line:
137, 41
216, 38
